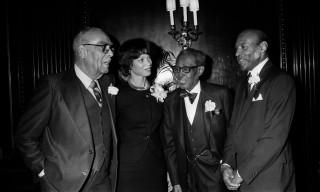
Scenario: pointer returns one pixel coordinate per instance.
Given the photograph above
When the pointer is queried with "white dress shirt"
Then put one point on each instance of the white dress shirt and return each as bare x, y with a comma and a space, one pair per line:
192, 107
86, 80
257, 69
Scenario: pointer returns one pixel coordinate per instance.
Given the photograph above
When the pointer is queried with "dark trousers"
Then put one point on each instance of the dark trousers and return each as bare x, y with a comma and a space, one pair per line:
204, 178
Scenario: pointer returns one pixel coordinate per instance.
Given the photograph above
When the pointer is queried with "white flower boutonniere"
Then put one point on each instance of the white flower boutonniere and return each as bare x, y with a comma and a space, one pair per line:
113, 90
254, 80
158, 92
211, 107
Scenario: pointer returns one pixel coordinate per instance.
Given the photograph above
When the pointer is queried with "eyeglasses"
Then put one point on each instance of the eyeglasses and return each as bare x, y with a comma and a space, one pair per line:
106, 48
184, 69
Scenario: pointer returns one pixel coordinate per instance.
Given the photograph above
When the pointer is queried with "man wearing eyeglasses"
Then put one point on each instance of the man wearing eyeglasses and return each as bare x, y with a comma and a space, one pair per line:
194, 128
67, 134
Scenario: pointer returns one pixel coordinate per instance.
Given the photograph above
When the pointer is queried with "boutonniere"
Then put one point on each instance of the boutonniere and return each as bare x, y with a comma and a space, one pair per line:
158, 91
112, 90
211, 107
254, 80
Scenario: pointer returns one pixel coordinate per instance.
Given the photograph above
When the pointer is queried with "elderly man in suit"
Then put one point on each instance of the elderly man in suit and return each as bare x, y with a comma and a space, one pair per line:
196, 116
257, 154
67, 134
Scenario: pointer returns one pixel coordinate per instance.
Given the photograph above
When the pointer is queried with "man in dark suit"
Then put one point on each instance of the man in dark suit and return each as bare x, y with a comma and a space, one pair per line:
257, 154
194, 127
67, 134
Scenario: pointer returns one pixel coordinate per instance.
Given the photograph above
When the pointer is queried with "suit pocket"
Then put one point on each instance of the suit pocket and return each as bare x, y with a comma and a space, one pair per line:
46, 185
50, 167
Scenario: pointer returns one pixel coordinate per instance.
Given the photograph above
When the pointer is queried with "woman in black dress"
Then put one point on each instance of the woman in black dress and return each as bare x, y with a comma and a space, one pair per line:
141, 161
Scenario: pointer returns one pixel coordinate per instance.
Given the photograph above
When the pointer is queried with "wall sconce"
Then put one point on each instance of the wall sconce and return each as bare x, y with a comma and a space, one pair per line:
186, 34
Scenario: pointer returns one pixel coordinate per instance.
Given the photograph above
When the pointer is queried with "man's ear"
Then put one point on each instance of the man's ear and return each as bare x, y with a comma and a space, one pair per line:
82, 51
200, 70
264, 46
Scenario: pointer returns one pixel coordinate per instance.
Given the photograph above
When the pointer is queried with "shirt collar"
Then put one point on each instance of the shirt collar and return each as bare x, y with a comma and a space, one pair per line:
82, 76
196, 88
257, 69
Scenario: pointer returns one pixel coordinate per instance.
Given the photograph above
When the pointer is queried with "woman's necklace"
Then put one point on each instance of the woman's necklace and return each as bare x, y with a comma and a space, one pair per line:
145, 87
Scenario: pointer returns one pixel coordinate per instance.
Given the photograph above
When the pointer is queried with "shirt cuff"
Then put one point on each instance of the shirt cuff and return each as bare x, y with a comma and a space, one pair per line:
238, 174
41, 174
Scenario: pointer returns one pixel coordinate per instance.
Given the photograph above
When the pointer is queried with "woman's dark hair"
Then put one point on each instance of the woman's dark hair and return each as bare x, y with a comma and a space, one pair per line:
130, 50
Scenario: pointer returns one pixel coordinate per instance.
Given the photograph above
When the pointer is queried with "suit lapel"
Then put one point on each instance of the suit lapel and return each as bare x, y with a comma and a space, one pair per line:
110, 99
74, 101
246, 102
201, 110
179, 109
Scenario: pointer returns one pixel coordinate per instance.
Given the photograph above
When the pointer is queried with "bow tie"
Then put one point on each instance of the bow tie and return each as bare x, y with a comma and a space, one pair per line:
191, 96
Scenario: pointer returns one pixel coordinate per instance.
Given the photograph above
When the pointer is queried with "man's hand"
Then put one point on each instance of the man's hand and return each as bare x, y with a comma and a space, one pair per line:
237, 178
228, 177
177, 188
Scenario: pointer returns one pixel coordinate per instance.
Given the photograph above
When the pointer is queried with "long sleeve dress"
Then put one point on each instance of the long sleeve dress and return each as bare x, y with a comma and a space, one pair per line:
141, 160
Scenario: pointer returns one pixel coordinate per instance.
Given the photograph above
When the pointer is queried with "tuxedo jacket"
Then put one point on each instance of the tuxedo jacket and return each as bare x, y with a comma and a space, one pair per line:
257, 143
55, 132
214, 128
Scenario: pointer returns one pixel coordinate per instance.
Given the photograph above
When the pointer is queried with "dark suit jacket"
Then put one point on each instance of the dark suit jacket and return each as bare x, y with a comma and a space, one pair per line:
54, 133
215, 128
257, 143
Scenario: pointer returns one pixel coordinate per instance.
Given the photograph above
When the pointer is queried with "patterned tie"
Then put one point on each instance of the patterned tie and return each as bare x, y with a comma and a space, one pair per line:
191, 96
96, 91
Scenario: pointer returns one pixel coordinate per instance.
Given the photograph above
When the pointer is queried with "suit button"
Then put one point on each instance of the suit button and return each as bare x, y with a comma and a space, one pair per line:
90, 151
147, 137
84, 173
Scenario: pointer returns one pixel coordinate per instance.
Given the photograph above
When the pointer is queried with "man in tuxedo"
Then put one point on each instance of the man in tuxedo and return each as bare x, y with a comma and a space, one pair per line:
194, 127
67, 134
257, 154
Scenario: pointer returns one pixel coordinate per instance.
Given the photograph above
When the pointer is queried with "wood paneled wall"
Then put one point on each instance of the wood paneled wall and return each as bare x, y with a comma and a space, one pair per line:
303, 48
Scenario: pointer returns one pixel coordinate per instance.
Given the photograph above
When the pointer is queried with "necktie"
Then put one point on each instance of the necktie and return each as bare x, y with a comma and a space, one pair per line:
191, 96
248, 84
96, 91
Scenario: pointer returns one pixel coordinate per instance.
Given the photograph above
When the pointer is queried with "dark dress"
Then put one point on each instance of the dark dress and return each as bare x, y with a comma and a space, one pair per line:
141, 159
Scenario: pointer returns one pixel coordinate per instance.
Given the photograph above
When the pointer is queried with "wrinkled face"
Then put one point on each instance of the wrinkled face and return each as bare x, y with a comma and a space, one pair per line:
141, 66
248, 52
187, 80
98, 53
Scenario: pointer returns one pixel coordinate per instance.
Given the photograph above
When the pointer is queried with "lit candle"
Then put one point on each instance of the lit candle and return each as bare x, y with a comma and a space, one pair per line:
195, 22
171, 18
184, 3
171, 6
194, 7
185, 17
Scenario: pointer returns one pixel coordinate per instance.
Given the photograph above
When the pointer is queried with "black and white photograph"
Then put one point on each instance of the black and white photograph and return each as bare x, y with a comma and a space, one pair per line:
160, 96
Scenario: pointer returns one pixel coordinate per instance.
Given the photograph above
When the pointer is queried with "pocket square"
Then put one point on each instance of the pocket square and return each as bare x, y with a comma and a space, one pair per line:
259, 98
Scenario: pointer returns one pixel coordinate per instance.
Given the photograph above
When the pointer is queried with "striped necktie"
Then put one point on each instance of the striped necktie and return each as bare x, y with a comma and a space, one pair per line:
96, 91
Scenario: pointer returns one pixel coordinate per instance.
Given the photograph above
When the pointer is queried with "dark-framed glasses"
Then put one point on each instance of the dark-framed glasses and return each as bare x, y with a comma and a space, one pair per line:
106, 48
184, 69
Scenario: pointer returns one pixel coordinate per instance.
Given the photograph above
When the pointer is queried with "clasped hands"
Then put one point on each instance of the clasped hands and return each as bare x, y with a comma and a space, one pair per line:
231, 178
